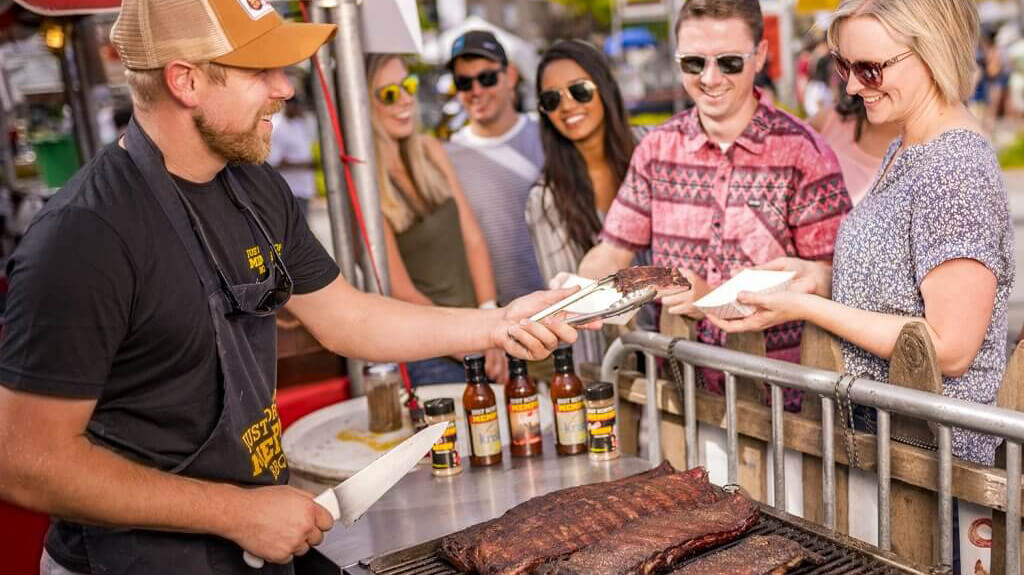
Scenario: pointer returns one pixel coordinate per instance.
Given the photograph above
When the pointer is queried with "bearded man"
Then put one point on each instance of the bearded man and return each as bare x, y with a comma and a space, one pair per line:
138, 370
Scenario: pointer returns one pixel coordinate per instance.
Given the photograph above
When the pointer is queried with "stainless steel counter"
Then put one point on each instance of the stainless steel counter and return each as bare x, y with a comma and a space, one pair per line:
422, 507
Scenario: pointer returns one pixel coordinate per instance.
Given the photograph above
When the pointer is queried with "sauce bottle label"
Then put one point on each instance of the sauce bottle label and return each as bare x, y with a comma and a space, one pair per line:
524, 420
601, 429
569, 421
483, 431
444, 454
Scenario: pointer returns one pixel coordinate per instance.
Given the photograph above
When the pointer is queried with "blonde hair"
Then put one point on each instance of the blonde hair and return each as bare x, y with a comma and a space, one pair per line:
943, 33
431, 185
148, 88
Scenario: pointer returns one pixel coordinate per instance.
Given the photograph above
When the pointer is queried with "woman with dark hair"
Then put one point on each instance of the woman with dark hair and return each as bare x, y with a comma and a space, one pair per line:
859, 144
587, 144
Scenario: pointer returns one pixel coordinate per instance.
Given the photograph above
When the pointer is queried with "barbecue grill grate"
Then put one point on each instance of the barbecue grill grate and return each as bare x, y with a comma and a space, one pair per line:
843, 556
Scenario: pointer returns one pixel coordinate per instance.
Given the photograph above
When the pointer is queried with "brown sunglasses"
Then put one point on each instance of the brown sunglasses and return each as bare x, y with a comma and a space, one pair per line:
869, 73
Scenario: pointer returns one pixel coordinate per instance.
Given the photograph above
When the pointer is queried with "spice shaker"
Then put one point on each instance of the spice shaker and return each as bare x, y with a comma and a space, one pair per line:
383, 381
444, 454
600, 400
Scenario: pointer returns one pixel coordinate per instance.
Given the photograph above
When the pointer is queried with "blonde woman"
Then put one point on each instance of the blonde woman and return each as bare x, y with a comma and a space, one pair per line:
932, 239
436, 251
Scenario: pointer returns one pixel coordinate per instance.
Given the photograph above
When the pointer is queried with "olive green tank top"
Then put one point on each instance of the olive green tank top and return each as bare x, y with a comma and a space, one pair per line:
435, 257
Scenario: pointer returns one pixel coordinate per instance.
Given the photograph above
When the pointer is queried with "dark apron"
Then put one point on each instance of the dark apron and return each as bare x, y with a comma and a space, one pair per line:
244, 447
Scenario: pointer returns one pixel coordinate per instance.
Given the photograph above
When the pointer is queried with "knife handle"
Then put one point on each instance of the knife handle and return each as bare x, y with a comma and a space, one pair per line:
252, 560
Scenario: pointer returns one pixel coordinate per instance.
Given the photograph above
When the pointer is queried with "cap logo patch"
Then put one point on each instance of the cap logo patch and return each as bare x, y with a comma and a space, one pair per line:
256, 9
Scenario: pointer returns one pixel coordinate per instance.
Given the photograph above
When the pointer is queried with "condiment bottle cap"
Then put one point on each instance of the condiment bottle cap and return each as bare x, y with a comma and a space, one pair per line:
599, 390
563, 359
440, 406
475, 372
516, 366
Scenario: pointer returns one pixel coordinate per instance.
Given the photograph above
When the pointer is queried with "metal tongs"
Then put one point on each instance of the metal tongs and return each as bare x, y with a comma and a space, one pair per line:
625, 304
628, 303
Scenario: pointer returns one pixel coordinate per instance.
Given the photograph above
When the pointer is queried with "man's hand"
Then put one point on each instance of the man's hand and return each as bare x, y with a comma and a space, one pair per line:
681, 302
811, 277
531, 340
276, 523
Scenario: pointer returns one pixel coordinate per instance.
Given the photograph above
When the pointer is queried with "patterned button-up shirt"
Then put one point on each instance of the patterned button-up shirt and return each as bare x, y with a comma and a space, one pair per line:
776, 191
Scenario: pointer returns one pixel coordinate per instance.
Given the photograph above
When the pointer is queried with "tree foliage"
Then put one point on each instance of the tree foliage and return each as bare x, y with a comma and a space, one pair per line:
599, 11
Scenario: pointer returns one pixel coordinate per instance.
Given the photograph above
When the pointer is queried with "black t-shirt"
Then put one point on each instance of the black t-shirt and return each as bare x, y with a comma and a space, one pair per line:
104, 302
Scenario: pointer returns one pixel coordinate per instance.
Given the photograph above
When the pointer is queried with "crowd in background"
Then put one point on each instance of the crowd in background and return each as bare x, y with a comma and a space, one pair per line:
516, 201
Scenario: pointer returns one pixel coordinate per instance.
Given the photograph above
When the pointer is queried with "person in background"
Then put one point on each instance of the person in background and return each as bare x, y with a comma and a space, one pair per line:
436, 252
587, 144
497, 157
730, 184
996, 78
291, 151
936, 226
859, 144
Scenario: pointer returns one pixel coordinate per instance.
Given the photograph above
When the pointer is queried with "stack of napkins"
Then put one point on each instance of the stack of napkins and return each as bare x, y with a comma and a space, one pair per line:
722, 301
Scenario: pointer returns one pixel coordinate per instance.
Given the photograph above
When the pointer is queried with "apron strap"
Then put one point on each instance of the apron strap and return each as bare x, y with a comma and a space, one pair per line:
150, 161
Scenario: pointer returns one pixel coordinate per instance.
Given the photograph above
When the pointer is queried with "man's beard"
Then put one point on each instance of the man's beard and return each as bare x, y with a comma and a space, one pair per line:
243, 147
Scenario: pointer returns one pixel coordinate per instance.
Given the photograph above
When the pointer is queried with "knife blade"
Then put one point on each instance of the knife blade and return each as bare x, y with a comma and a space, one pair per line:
350, 499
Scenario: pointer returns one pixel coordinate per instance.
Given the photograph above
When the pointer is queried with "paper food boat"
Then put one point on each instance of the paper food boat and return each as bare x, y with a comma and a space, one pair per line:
722, 301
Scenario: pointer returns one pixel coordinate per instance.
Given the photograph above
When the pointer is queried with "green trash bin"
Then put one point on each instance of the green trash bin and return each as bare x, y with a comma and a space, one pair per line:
57, 158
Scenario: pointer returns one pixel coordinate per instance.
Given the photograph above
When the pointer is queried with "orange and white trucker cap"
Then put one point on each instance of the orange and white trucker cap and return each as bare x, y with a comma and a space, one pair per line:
242, 33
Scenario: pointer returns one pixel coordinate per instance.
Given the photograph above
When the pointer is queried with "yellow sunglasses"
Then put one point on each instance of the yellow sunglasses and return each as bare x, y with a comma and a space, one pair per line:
389, 94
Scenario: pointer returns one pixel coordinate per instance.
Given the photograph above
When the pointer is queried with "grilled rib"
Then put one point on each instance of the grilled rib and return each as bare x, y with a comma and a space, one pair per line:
559, 523
757, 555
654, 543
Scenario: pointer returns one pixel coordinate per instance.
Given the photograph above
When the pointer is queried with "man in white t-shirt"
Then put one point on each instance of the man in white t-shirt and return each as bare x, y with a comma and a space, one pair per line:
498, 158
291, 151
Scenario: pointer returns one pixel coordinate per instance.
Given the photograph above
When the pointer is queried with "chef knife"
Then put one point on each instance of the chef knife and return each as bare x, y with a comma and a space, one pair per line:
350, 499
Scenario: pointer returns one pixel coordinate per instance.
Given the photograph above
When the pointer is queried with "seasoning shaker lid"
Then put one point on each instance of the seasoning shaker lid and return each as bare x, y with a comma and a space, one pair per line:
598, 390
380, 369
440, 406
516, 366
563, 359
475, 372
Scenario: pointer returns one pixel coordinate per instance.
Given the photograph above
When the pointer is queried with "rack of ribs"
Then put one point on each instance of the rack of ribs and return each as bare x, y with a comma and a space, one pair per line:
757, 555
635, 278
654, 543
559, 523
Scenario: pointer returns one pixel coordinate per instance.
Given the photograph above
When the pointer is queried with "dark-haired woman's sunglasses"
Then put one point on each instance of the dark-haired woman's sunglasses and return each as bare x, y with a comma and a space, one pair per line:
487, 78
727, 63
582, 91
389, 94
868, 73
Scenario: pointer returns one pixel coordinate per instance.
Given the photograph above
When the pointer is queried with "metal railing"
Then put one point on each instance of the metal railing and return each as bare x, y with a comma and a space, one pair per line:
942, 411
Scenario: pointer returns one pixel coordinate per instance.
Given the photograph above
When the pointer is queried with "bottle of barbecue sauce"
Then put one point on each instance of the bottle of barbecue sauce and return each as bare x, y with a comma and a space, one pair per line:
481, 414
567, 398
523, 407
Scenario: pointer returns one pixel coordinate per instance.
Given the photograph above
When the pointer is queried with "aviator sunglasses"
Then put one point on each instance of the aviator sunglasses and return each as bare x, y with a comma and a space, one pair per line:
727, 63
869, 73
389, 94
582, 91
487, 78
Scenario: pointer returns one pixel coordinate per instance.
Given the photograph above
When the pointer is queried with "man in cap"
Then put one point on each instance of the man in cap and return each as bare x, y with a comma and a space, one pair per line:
498, 157
137, 374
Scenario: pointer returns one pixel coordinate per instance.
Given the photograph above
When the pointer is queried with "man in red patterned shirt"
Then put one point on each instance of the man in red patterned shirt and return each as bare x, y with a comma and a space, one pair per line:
727, 185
